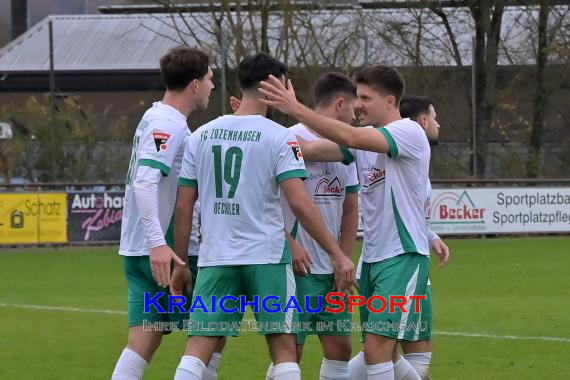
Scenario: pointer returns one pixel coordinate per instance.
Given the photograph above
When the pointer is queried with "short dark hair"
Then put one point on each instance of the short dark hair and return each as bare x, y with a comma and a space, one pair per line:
258, 67
384, 79
330, 85
413, 106
181, 65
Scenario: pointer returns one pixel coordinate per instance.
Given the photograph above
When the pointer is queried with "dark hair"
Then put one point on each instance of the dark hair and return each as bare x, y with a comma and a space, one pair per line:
258, 67
383, 79
413, 106
330, 85
181, 65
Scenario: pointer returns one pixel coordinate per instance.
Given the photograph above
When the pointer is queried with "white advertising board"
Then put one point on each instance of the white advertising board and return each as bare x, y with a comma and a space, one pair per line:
500, 210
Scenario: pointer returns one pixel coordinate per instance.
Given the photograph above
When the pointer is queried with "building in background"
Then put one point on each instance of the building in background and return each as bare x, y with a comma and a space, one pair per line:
13, 19
17, 16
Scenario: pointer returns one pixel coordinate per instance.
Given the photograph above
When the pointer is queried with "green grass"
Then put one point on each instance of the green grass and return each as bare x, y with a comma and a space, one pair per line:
516, 287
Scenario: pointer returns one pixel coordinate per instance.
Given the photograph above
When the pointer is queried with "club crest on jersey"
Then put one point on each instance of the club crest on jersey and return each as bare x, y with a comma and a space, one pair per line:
160, 139
296, 149
329, 188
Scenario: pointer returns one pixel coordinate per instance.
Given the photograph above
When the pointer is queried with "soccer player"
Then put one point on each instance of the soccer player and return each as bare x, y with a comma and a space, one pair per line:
371, 173
150, 193
237, 165
418, 353
396, 249
333, 187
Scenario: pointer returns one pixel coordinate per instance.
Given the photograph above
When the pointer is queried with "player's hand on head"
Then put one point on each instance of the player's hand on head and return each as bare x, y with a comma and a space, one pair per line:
442, 251
181, 280
234, 103
160, 258
276, 94
302, 260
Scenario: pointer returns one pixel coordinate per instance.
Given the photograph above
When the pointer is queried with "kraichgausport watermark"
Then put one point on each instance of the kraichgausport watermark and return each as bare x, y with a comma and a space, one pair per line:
304, 327
336, 303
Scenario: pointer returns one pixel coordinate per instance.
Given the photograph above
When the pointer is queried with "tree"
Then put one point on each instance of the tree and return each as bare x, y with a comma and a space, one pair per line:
540, 97
334, 35
550, 45
488, 16
60, 145
423, 41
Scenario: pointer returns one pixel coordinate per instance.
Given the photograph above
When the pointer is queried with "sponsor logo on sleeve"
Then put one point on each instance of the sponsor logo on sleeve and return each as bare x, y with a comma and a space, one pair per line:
294, 145
160, 139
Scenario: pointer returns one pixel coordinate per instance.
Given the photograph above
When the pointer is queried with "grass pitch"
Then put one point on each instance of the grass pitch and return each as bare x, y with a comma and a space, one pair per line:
501, 311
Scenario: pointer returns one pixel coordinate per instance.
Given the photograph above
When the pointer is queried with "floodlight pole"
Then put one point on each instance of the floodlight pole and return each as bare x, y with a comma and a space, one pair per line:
474, 107
51, 73
52, 99
224, 46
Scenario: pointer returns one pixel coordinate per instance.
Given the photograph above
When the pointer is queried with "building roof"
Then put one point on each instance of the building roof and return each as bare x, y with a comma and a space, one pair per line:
92, 42
136, 42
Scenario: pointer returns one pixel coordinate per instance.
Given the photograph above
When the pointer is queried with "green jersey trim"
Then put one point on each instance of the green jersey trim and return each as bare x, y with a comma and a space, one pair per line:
156, 165
352, 189
294, 229
169, 235
405, 237
393, 153
286, 257
187, 182
347, 157
296, 173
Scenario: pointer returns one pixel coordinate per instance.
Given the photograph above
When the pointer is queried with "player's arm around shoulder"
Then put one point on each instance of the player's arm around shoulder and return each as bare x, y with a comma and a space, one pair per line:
367, 139
321, 150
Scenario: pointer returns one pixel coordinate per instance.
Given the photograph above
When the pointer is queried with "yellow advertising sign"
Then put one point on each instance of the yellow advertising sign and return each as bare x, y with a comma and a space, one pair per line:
33, 218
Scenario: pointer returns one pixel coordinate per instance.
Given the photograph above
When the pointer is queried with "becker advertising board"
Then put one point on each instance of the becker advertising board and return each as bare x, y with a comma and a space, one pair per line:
500, 210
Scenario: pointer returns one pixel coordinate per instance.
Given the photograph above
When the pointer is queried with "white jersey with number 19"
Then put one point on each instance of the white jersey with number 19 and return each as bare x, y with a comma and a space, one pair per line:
236, 163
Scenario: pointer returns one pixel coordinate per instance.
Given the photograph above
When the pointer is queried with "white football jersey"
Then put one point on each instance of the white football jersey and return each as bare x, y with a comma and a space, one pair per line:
393, 192
195, 237
159, 143
327, 184
237, 163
